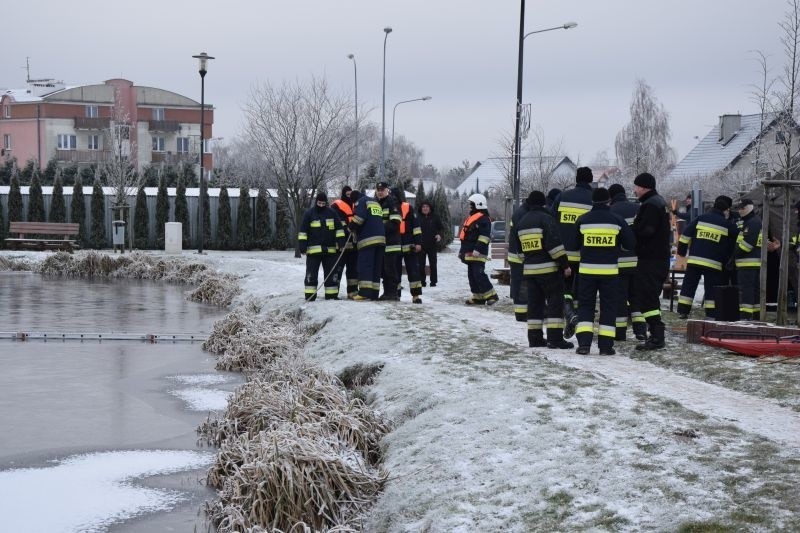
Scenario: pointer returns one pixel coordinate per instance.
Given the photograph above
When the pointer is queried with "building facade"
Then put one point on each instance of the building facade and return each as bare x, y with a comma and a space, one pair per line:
88, 124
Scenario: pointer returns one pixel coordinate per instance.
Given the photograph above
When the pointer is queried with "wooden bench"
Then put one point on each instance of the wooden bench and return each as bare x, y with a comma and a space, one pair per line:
498, 251
46, 232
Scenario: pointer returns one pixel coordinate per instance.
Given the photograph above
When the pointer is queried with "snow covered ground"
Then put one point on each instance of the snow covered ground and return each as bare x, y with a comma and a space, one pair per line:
492, 435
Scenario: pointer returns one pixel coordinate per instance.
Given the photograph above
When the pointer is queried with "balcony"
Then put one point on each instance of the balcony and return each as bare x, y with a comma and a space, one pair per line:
167, 126
82, 156
91, 123
173, 159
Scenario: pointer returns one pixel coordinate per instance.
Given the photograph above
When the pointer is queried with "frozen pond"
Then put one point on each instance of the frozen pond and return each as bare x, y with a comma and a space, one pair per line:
103, 432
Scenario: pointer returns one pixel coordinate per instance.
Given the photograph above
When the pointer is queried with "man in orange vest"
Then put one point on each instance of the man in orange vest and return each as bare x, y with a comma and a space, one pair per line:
344, 207
411, 243
474, 252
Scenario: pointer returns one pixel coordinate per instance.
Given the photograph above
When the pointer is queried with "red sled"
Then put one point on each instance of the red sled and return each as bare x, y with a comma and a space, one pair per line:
761, 345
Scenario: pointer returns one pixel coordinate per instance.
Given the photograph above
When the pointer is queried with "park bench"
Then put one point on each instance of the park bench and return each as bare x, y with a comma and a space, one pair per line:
498, 251
26, 233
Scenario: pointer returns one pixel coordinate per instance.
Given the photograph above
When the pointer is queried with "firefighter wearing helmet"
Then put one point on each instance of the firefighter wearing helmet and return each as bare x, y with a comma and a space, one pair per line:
474, 252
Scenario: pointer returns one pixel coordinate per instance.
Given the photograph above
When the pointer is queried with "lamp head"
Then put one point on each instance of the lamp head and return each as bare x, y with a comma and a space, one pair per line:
203, 58
350, 56
427, 97
570, 25
387, 29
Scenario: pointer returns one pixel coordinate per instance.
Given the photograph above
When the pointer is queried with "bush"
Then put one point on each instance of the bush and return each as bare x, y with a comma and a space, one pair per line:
58, 209
440, 208
263, 229
15, 201
182, 211
244, 220
162, 211
141, 217
98, 239
35, 200
78, 209
224, 220
282, 238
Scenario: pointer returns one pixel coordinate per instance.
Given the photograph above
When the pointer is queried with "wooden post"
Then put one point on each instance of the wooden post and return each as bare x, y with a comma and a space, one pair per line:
783, 279
766, 210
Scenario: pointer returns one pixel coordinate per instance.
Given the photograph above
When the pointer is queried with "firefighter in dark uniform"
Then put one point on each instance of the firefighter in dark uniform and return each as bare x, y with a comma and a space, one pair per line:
602, 237
320, 237
568, 206
710, 240
545, 265
627, 305
368, 225
349, 260
519, 290
391, 228
748, 261
410, 244
652, 230
474, 251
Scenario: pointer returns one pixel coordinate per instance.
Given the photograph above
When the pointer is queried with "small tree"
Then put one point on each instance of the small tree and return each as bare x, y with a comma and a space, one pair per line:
441, 208
26, 174
182, 211
263, 229
58, 209
141, 219
224, 220
78, 209
98, 215
15, 200
50, 171
162, 210
35, 200
282, 238
244, 220
420, 195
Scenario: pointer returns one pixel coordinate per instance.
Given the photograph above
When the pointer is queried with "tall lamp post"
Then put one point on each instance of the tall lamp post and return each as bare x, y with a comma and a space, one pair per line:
355, 83
203, 60
515, 163
423, 99
387, 30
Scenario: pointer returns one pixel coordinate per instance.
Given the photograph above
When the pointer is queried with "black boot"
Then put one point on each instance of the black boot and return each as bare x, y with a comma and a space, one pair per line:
640, 331
560, 345
536, 338
656, 340
570, 319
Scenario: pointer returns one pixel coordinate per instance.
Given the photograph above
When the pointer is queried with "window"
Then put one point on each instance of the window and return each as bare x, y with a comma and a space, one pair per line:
159, 144
94, 142
7, 111
183, 145
7, 141
158, 113
91, 111
67, 142
206, 146
780, 137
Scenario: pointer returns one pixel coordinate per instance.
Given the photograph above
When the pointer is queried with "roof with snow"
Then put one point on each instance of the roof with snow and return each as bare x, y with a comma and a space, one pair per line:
492, 171
711, 156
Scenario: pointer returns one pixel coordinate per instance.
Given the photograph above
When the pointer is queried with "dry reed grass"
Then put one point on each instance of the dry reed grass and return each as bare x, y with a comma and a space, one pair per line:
17, 265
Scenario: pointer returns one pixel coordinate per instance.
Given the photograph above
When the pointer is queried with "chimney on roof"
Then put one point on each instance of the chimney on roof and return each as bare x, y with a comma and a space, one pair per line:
729, 125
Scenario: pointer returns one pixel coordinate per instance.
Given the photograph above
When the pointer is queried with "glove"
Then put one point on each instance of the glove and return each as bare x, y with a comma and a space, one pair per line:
476, 253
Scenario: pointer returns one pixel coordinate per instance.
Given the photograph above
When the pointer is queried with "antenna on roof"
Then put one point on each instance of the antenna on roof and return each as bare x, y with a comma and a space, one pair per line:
27, 68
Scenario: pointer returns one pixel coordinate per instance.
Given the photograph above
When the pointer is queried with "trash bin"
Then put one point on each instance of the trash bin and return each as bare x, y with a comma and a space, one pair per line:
118, 233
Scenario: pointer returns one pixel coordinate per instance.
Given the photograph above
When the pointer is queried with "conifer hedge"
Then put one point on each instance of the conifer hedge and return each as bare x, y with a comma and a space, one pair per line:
206, 216
78, 209
263, 230
15, 201
182, 211
244, 220
98, 237
162, 211
440, 207
35, 200
282, 239
141, 216
58, 208
224, 220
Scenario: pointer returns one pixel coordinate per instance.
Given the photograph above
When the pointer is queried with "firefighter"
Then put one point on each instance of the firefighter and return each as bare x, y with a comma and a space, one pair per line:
626, 303
748, 260
474, 236
518, 285
545, 264
601, 237
391, 227
320, 237
652, 230
567, 207
410, 245
710, 240
349, 260
371, 242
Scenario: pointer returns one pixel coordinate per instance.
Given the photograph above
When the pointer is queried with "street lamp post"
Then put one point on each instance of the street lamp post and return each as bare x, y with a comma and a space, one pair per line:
355, 83
387, 30
516, 159
423, 99
203, 60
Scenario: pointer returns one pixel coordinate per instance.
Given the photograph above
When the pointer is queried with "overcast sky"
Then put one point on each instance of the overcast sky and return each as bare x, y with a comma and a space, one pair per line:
695, 54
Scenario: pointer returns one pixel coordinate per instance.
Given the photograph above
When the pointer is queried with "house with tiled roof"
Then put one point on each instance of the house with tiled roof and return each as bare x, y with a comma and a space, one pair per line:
492, 173
734, 145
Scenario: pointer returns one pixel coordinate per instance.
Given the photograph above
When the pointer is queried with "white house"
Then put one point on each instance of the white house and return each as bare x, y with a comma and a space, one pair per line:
492, 173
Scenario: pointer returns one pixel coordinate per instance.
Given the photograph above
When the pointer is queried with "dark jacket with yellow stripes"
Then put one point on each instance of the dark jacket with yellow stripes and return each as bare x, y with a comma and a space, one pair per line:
413, 233
536, 235
748, 249
627, 210
567, 208
475, 237
602, 236
321, 232
515, 255
391, 223
368, 223
709, 239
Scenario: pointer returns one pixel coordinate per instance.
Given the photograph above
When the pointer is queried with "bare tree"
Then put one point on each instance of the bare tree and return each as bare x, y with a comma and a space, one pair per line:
118, 166
538, 162
643, 144
304, 134
784, 102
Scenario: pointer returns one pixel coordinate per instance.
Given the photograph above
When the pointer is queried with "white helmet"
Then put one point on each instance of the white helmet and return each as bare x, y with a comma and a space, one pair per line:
479, 200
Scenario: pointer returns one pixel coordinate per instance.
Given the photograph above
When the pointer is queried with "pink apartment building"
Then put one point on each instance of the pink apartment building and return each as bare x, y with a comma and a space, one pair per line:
74, 125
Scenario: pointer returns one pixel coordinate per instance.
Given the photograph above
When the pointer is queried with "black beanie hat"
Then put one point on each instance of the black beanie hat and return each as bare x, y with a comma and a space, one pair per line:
536, 198
645, 180
322, 197
600, 195
616, 189
727, 199
346, 189
354, 196
584, 175
552, 194
722, 203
